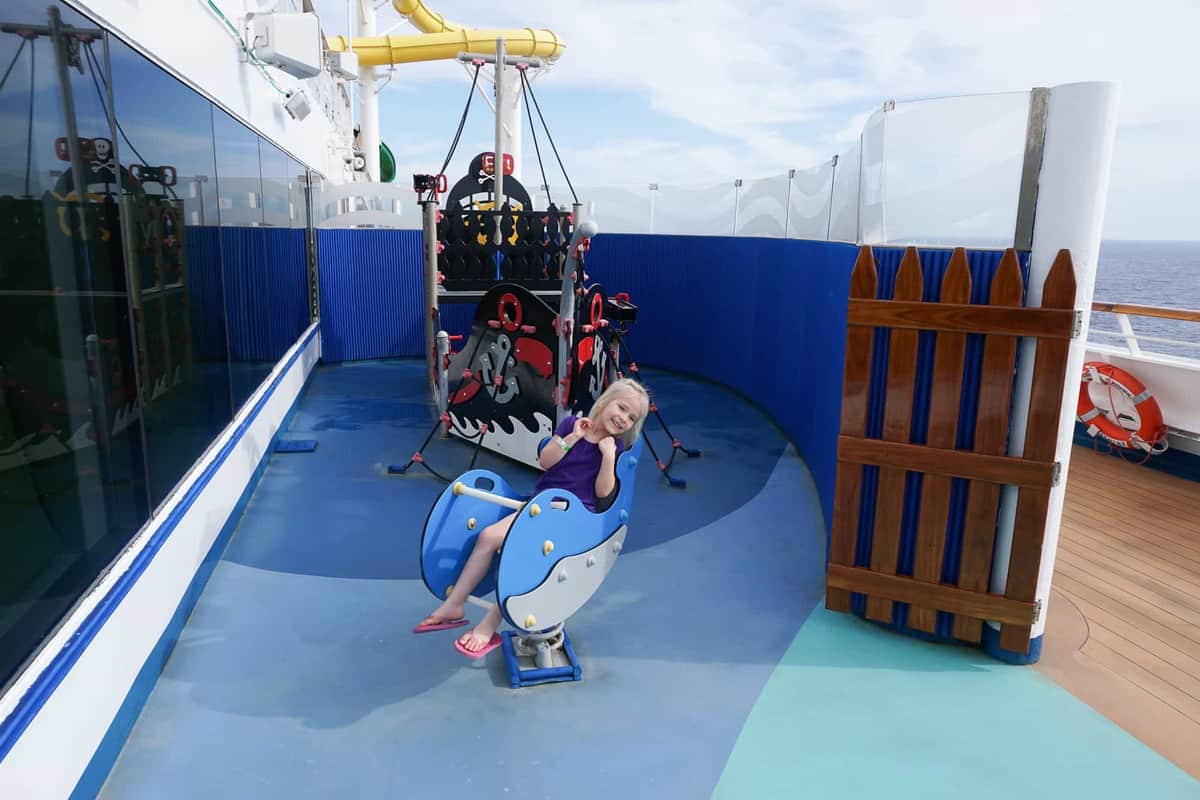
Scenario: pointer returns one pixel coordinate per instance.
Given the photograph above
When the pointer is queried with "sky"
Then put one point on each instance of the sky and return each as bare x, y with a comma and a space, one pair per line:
691, 92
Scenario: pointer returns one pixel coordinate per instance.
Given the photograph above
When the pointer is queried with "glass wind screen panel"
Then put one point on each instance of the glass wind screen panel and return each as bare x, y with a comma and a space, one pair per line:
762, 207
285, 262
843, 213
811, 195
179, 295
871, 226
248, 306
72, 466
953, 171
695, 210
301, 219
616, 209
274, 166
297, 181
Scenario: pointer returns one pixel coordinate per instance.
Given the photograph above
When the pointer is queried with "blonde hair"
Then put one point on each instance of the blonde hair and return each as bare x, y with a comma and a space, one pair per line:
616, 388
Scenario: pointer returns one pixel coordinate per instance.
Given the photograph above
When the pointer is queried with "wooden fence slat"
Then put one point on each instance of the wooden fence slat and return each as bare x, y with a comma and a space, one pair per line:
963, 318
949, 351
855, 388
947, 463
943, 596
1041, 440
897, 416
991, 430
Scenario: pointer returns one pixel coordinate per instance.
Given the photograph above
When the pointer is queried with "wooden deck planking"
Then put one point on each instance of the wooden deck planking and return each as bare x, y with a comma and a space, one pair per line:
1128, 564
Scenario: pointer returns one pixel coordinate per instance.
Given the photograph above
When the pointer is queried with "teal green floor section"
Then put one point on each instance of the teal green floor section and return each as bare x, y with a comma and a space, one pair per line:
854, 711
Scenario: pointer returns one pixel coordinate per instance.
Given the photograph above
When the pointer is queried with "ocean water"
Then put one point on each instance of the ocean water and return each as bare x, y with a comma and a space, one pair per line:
1152, 274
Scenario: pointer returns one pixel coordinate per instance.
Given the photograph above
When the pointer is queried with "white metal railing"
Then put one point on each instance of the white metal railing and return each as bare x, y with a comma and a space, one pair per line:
1184, 349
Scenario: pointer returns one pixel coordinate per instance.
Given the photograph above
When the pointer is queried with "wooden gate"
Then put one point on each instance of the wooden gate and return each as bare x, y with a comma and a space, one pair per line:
866, 561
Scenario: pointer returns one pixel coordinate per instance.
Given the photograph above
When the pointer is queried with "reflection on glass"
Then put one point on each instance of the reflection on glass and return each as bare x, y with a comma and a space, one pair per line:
166, 150
284, 253
811, 198
695, 210
243, 255
762, 207
298, 206
953, 171
72, 466
843, 212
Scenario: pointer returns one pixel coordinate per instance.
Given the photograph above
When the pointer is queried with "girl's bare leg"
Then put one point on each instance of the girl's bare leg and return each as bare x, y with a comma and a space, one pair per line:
488, 542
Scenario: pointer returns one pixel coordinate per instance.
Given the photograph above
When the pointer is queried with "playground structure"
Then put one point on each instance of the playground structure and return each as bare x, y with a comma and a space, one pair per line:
526, 365
439, 39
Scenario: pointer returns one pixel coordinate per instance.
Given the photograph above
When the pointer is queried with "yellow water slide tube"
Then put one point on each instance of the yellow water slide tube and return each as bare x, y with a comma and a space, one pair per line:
442, 39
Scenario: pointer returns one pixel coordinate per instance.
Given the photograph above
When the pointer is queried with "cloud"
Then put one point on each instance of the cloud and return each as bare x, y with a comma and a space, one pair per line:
756, 86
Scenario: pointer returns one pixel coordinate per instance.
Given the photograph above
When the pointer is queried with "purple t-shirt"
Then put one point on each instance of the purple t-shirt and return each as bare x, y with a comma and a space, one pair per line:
577, 470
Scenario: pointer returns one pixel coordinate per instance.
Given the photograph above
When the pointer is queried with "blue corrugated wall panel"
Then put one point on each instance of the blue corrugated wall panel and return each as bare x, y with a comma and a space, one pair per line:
372, 295
288, 267
206, 293
265, 279
766, 317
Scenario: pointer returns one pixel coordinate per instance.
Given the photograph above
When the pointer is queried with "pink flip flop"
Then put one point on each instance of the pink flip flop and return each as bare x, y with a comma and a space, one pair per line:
442, 626
492, 644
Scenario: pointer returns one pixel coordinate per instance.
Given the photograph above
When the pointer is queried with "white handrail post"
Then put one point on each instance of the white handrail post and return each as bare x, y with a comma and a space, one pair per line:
1130, 337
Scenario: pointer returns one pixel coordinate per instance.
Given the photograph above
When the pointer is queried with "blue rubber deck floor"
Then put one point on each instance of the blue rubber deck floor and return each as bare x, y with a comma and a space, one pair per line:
704, 668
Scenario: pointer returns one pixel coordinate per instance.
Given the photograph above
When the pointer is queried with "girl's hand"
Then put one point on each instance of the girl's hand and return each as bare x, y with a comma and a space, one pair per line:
582, 426
608, 446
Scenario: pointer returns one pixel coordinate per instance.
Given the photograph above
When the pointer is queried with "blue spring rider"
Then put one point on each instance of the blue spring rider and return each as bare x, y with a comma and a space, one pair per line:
555, 557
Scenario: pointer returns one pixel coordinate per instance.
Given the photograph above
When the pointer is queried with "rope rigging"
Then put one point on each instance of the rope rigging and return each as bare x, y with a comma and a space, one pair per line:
526, 85
458, 133
533, 133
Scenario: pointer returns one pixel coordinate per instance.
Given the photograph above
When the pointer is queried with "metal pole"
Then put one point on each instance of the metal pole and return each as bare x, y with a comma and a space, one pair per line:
125, 210
787, 208
98, 513
890, 105
498, 171
429, 211
653, 195
566, 313
60, 58
443, 380
737, 193
368, 99
1035, 140
832, 186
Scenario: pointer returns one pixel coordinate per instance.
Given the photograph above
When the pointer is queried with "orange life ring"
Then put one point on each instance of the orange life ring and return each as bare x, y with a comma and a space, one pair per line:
1150, 432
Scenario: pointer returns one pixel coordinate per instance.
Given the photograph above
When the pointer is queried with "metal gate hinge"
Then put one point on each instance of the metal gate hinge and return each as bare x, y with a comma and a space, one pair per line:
1077, 325
1056, 475
1037, 610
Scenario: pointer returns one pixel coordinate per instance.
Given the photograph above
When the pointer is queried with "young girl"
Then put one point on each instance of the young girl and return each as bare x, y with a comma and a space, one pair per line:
581, 458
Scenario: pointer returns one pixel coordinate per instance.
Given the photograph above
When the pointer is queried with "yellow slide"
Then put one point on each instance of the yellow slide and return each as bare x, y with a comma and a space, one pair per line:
442, 39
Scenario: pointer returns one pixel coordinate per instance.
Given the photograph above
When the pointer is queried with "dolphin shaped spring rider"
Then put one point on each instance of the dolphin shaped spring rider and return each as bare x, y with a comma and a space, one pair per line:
556, 555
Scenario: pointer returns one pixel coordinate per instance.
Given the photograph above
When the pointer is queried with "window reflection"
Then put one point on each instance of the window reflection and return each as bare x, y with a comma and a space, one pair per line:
162, 242
166, 151
72, 469
248, 302
285, 248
